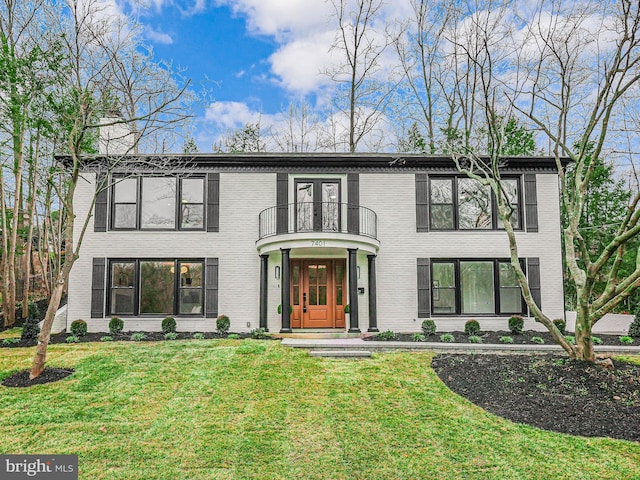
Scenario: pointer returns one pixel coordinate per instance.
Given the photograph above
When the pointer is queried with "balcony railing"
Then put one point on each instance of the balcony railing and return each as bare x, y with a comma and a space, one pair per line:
311, 217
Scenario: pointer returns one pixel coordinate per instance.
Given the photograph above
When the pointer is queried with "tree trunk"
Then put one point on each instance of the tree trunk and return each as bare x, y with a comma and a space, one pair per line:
40, 357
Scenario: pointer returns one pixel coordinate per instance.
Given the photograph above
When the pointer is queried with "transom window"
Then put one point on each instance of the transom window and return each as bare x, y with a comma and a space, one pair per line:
474, 287
156, 287
462, 203
158, 203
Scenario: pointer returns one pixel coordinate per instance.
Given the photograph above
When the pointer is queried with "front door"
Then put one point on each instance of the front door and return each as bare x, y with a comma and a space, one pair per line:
317, 293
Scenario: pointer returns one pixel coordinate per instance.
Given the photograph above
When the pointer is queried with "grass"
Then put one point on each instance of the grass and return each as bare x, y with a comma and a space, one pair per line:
11, 333
231, 409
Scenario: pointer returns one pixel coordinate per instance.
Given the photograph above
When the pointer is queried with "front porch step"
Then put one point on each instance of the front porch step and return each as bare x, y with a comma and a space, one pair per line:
317, 335
340, 353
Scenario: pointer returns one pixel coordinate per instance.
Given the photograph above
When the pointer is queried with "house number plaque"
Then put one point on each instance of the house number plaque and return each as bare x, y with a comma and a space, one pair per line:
318, 243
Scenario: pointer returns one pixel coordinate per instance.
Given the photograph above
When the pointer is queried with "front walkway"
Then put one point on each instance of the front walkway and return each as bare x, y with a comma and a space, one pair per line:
337, 344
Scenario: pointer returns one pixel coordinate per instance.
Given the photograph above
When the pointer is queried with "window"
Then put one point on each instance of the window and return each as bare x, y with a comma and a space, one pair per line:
156, 287
474, 287
151, 203
462, 203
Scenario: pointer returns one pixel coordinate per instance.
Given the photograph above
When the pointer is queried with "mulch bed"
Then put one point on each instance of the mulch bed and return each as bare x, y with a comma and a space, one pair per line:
21, 379
549, 391
494, 337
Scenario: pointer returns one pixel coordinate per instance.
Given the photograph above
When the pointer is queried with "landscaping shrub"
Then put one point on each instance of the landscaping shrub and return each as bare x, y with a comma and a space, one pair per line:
138, 336
169, 325
235, 336
259, 333
447, 338
198, 336
634, 328
418, 337
106, 338
10, 341
387, 336
72, 339
538, 340
291, 309
472, 327
570, 339
506, 339
222, 324
516, 324
626, 340
475, 339
30, 329
596, 340
116, 325
428, 327
170, 336
33, 311
560, 325
79, 328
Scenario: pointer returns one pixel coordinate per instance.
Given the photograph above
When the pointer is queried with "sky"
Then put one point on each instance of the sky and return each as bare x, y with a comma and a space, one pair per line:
253, 57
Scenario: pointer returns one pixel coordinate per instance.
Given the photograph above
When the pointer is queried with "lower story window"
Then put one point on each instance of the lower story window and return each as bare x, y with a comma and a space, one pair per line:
474, 287
156, 287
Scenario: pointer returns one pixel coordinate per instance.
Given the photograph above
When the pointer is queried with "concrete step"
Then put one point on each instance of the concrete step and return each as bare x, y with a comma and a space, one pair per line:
340, 353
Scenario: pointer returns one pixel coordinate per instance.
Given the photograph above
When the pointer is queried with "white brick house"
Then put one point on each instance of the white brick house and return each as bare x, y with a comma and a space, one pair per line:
398, 238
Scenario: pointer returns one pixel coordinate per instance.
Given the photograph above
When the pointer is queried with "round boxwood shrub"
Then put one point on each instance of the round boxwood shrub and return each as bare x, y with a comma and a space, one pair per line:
116, 325
222, 324
291, 309
33, 311
472, 327
79, 328
560, 325
169, 325
634, 328
428, 327
516, 324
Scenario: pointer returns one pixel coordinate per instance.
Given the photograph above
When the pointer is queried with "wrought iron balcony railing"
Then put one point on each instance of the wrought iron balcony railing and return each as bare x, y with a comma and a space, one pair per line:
310, 217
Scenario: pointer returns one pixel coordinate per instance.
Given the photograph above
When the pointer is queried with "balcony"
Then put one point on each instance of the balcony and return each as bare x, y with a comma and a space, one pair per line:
319, 224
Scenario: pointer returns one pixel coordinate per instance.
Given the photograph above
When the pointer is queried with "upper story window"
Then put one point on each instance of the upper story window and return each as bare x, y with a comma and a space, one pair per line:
158, 203
462, 203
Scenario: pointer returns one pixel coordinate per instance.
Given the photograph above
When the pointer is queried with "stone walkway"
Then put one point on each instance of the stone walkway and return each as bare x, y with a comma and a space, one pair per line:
357, 344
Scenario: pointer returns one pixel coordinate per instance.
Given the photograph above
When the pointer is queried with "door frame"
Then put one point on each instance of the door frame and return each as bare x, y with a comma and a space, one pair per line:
300, 316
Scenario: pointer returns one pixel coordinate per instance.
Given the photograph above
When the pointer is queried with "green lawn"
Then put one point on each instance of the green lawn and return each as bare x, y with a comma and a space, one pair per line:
11, 333
252, 409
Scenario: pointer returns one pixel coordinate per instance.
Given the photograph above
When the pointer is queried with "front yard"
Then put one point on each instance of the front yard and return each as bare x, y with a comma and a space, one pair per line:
205, 409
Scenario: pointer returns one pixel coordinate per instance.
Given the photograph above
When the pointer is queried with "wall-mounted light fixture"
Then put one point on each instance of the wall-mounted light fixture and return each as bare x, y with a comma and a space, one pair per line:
277, 272
358, 268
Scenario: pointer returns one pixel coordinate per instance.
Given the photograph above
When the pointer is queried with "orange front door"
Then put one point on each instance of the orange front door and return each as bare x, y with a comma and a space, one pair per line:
317, 293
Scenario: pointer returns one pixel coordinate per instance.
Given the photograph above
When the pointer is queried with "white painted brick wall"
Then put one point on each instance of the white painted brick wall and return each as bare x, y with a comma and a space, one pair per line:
244, 195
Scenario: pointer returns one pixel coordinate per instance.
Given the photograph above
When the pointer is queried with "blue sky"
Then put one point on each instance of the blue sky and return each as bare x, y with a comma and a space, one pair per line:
254, 56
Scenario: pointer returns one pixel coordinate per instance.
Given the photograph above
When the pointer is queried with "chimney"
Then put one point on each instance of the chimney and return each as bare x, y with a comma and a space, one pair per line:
116, 137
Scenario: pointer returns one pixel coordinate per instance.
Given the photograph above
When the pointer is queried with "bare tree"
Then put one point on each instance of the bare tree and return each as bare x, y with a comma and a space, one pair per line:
572, 71
361, 96
92, 43
300, 130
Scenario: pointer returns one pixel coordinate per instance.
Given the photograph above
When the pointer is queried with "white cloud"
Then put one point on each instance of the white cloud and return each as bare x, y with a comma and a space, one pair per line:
158, 37
230, 114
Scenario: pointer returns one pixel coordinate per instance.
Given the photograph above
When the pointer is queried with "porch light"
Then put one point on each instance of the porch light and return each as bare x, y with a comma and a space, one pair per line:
277, 272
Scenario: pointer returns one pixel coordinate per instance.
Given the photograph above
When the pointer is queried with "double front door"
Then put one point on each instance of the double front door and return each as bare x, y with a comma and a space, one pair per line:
318, 293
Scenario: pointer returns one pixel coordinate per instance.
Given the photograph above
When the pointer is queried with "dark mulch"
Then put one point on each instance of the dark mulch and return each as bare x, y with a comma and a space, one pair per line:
21, 379
494, 337
549, 392
123, 337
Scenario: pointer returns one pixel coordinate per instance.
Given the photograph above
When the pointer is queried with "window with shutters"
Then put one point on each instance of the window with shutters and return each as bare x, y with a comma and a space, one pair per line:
462, 203
156, 287
158, 203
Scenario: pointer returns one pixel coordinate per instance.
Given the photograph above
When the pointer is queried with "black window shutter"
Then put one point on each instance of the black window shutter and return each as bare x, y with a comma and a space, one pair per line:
353, 200
211, 288
213, 202
424, 290
422, 202
531, 202
282, 199
100, 208
97, 288
533, 277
